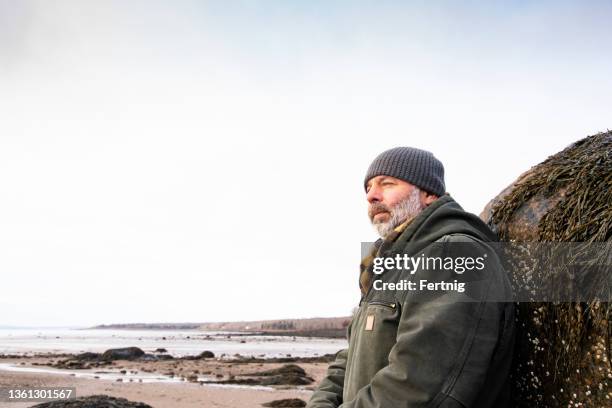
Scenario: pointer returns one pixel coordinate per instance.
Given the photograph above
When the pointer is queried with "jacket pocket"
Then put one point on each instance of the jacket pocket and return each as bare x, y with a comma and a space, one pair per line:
388, 305
381, 320
373, 334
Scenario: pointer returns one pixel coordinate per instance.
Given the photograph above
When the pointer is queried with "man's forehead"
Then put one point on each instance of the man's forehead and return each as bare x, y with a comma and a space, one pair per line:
380, 178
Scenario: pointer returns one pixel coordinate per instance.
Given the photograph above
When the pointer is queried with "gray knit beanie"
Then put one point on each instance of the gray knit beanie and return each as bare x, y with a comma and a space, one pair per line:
416, 166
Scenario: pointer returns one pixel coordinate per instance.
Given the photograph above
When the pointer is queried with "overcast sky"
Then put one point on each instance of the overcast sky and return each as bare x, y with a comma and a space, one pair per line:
203, 161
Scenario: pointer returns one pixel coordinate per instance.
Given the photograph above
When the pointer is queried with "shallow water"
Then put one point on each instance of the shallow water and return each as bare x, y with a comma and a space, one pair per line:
114, 375
105, 375
178, 342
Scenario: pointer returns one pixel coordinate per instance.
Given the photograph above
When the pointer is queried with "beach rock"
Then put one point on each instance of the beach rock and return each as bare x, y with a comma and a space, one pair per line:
93, 401
286, 379
289, 374
148, 357
285, 403
204, 354
562, 354
126, 353
161, 350
75, 364
87, 356
287, 369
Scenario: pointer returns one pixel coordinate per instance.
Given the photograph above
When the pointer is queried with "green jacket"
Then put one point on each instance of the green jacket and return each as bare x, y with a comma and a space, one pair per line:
428, 349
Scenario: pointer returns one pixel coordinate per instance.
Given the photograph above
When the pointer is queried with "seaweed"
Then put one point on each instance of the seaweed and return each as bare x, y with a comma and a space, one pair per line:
562, 353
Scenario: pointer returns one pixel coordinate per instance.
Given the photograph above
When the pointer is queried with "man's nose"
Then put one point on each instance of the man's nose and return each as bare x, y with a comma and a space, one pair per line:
373, 195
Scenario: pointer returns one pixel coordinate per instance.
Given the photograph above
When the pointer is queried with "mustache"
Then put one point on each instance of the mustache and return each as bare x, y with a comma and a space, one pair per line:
377, 208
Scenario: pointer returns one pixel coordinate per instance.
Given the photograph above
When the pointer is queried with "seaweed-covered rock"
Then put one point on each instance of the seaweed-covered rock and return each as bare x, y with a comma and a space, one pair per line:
126, 353
562, 355
93, 401
287, 369
285, 403
289, 374
88, 356
206, 354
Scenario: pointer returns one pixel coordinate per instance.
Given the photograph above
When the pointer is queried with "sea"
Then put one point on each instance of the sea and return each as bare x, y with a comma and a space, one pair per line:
178, 343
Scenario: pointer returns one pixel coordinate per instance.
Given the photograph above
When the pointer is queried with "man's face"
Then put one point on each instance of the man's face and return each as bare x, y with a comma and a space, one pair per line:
393, 201
383, 193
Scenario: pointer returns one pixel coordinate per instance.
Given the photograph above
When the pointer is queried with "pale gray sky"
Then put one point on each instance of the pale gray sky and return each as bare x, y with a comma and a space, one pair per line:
203, 161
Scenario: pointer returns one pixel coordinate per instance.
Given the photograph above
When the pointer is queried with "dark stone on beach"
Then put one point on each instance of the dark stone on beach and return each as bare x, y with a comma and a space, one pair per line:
289, 374
72, 364
285, 403
326, 358
126, 353
287, 369
287, 379
204, 354
148, 357
88, 356
93, 401
161, 350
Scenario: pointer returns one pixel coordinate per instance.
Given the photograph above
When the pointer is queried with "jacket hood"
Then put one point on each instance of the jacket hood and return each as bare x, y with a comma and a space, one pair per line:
443, 217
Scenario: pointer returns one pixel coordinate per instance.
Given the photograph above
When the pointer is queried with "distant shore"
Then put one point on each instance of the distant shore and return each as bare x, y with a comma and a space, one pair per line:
330, 327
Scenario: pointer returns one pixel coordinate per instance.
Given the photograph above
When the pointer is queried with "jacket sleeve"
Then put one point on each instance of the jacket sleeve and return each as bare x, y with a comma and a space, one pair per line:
443, 348
329, 392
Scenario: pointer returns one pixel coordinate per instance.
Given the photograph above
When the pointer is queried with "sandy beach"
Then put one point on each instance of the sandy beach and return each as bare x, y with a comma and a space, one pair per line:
181, 385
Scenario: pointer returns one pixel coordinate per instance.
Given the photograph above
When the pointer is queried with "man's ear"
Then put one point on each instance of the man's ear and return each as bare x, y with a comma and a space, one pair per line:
427, 198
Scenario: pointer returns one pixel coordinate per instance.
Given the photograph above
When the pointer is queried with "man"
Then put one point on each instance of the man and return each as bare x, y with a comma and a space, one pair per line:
423, 348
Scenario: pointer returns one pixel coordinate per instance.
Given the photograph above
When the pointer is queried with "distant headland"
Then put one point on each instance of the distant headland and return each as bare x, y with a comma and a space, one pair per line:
312, 327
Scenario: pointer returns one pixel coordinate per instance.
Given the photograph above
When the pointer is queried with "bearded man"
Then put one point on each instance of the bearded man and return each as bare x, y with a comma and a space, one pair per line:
412, 348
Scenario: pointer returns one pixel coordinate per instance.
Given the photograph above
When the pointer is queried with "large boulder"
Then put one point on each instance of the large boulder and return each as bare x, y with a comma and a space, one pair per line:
562, 355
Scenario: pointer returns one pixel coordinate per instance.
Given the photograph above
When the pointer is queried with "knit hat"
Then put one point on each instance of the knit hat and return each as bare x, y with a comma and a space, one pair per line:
416, 166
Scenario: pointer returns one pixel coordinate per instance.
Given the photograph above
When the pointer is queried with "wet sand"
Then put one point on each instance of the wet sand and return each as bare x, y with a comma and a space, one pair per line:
181, 386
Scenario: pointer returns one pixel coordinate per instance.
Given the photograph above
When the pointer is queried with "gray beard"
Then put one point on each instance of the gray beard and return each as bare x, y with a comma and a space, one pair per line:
406, 209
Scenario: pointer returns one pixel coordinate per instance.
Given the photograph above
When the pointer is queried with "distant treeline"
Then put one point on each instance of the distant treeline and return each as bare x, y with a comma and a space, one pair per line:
150, 326
285, 325
314, 327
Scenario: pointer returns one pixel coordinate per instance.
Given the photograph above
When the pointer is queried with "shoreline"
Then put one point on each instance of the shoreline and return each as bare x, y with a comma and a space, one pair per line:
176, 382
